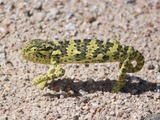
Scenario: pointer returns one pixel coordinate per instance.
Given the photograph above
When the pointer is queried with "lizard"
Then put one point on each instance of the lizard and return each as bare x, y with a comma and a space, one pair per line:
55, 53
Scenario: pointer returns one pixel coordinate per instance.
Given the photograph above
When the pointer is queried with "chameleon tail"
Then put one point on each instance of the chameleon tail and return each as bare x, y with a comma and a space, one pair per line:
127, 66
139, 58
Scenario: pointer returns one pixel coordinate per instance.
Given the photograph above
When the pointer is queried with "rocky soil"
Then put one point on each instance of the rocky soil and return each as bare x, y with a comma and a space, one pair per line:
84, 92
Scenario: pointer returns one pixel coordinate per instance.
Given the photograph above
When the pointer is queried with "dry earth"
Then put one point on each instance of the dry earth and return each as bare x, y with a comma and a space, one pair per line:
83, 93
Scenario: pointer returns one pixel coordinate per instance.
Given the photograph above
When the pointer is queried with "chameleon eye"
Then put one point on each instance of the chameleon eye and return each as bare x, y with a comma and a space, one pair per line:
34, 49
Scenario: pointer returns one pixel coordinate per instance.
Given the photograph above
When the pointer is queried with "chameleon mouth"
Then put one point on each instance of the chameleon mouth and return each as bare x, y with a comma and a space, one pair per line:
23, 52
26, 53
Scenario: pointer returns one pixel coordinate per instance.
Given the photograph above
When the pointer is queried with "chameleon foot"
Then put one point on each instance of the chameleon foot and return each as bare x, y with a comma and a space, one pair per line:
117, 87
42, 84
40, 81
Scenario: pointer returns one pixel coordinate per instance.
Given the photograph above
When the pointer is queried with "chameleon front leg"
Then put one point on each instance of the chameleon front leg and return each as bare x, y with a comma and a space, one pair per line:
55, 71
121, 76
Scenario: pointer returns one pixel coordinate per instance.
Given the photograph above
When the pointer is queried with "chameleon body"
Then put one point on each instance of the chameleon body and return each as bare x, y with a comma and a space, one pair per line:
81, 51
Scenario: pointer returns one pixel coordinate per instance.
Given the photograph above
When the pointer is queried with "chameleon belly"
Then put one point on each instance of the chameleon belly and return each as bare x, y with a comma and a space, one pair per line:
81, 51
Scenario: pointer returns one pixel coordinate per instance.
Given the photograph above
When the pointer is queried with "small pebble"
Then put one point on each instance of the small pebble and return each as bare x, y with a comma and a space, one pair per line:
158, 79
75, 117
2, 1
102, 118
90, 81
119, 113
94, 9
62, 96
88, 116
3, 78
85, 108
69, 15
132, 2
152, 117
134, 91
86, 65
70, 26
3, 31
2, 56
92, 111
21, 5
150, 66
38, 6
157, 95
89, 17
157, 5
112, 113
29, 13
158, 68
73, 33
134, 80
54, 12
40, 16
84, 99
94, 104
82, 92
129, 110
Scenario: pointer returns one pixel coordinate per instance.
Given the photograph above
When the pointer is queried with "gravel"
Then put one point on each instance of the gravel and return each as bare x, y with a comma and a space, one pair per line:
83, 93
70, 26
158, 78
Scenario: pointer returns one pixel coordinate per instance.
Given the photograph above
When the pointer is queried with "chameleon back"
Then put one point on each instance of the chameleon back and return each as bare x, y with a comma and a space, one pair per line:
85, 51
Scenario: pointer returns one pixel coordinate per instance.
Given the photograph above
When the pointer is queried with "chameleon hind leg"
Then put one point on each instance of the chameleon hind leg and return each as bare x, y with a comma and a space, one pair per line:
55, 71
121, 76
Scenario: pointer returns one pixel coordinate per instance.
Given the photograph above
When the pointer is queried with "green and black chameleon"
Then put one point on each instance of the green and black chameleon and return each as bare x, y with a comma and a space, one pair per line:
81, 51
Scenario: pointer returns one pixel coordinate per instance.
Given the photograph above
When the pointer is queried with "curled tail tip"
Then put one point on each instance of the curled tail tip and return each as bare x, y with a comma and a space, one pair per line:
140, 61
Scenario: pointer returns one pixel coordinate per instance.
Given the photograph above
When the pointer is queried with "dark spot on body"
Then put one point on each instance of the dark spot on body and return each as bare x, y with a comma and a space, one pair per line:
66, 42
60, 42
119, 48
105, 57
109, 44
126, 48
77, 40
124, 70
117, 55
87, 40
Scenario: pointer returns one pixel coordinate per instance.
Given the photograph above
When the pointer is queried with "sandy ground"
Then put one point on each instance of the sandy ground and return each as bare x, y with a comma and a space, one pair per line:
83, 93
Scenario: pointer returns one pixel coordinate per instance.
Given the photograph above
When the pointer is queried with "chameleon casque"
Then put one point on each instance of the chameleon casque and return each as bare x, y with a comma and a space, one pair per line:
81, 51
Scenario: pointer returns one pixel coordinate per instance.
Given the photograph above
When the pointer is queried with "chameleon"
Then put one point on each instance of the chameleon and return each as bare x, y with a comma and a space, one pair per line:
83, 51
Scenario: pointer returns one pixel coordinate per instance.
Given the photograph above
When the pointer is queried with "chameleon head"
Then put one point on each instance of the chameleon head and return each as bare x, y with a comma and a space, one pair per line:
37, 51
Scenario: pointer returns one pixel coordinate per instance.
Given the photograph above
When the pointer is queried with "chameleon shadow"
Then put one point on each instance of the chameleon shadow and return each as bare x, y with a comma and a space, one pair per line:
73, 89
